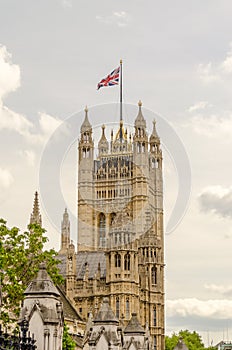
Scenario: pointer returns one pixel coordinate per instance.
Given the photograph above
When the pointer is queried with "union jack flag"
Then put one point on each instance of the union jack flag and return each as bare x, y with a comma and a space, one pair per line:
110, 80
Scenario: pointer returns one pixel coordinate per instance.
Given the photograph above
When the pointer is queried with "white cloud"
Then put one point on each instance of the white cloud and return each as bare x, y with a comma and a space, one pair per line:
29, 156
214, 309
48, 123
9, 73
207, 74
220, 289
120, 18
11, 120
218, 200
226, 65
6, 178
212, 126
199, 106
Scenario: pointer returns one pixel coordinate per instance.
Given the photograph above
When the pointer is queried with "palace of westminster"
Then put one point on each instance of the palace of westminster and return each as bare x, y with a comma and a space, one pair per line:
118, 263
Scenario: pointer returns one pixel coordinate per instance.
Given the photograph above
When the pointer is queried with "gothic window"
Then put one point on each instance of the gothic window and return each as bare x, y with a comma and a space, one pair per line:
117, 260
153, 163
139, 147
143, 147
127, 262
102, 230
112, 216
127, 308
155, 342
117, 307
154, 275
154, 316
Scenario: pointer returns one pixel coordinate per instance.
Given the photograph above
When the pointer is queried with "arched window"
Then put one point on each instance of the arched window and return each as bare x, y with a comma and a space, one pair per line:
154, 275
112, 216
127, 262
127, 308
117, 260
117, 307
102, 230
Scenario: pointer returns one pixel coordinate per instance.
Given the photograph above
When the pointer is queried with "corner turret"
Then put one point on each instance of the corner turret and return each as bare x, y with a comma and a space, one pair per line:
103, 145
65, 232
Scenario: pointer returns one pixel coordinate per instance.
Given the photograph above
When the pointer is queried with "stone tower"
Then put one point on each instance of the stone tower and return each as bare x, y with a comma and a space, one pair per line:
120, 226
125, 179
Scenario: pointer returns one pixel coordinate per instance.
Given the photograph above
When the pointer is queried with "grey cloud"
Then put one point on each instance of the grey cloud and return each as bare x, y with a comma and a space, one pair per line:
216, 202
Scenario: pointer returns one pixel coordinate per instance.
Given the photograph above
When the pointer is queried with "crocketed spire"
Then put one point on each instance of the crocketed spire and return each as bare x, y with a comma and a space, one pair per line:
103, 144
140, 121
154, 136
35, 215
86, 126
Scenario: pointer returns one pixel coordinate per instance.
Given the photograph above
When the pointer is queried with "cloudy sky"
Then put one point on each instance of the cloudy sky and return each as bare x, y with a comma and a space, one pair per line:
178, 60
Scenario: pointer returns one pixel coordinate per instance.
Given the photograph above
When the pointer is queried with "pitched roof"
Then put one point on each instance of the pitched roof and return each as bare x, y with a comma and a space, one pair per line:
42, 283
68, 310
134, 325
105, 314
93, 260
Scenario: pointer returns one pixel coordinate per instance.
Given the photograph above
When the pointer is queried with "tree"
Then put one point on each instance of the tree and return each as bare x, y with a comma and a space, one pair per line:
20, 256
192, 340
67, 342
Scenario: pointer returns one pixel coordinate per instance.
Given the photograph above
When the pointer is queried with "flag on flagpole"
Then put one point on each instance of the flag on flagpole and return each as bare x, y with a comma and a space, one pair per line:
110, 80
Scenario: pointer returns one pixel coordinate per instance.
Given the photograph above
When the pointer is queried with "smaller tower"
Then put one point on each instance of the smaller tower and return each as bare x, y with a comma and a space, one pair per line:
85, 186
65, 232
43, 309
35, 215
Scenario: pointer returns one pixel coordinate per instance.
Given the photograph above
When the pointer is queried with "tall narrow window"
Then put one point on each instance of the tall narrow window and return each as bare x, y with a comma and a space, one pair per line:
127, 308
117, 260
117, 307
102, 230
112, 216
155, 343
154, 275
127, 262
154, 316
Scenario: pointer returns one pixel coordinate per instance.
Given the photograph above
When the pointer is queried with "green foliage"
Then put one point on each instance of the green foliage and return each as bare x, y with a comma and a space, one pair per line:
192, 340
20, 256
68, 342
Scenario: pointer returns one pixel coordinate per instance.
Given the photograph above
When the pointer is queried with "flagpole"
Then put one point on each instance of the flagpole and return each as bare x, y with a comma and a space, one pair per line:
120, 90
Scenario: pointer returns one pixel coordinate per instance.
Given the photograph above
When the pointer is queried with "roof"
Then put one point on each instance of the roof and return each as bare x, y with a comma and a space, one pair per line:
140, 121
68, 310
42, 283
93, 260
134, 325
105, 314
86, 126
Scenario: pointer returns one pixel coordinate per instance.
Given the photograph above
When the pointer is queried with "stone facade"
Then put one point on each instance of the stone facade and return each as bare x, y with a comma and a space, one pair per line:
120, 253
